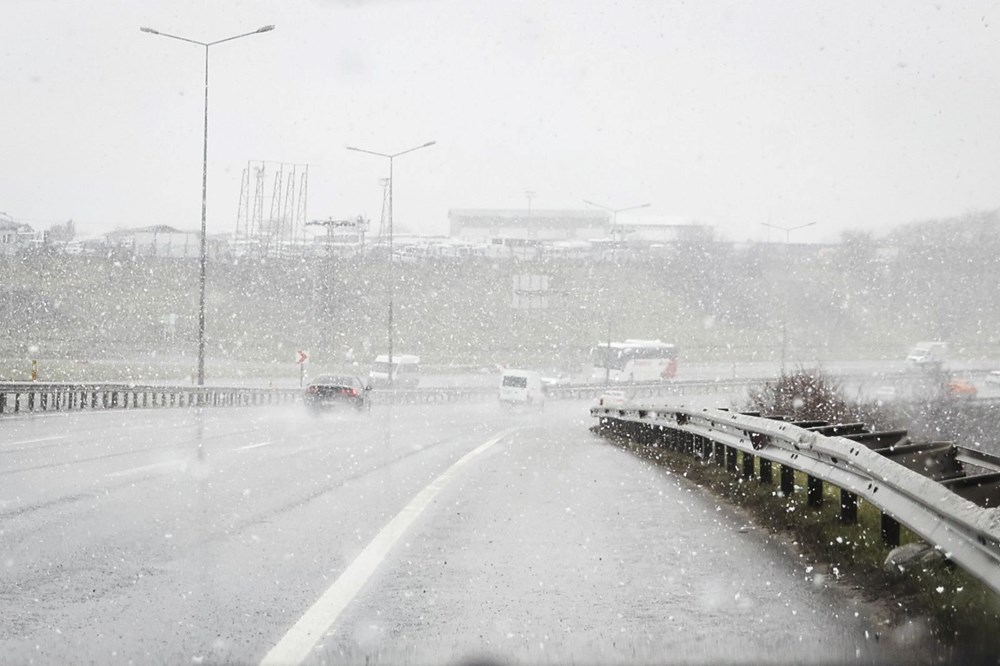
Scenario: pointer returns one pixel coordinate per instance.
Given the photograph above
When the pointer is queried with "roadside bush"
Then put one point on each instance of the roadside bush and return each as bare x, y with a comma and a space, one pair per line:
810, 394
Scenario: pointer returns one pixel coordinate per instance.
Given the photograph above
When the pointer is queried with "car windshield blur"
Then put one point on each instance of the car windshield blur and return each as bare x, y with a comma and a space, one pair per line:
692, 309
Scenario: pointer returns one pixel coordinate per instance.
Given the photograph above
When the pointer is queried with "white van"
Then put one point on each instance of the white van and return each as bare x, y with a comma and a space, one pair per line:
928, 353
521, 387
405, 371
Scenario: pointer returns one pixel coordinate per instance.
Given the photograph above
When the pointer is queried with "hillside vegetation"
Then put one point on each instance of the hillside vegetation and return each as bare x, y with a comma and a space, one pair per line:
717, 301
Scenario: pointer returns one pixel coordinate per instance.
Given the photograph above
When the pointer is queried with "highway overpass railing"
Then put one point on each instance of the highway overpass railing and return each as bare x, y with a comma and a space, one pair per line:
946, 494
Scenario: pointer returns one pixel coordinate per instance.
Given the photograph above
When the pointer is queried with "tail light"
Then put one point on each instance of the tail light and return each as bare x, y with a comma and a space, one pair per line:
352, 392
312, 389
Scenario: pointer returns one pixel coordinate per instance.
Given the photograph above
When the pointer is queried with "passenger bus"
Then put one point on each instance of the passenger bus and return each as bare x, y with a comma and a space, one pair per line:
634, 361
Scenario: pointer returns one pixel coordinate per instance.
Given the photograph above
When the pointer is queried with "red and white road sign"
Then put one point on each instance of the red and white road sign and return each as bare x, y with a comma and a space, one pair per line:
303, 357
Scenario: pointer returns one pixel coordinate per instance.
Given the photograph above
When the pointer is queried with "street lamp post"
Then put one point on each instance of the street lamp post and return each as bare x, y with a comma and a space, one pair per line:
614, 230
614, 214
391, 157
204, 188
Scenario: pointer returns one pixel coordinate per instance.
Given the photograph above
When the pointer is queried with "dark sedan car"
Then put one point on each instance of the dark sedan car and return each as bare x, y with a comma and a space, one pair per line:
334, 390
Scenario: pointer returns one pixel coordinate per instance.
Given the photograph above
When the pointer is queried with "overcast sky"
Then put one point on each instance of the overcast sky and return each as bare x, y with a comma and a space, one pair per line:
847, 114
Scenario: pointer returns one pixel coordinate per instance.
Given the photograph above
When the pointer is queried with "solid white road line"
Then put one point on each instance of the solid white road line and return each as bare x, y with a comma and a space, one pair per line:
145, 468
38, 440
297, 644
252, 446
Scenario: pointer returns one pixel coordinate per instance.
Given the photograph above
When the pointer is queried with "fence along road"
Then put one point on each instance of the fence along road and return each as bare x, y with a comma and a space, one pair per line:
17, 397
948, 495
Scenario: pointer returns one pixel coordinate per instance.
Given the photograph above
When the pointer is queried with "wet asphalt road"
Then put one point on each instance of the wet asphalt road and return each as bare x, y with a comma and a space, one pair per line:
182, 537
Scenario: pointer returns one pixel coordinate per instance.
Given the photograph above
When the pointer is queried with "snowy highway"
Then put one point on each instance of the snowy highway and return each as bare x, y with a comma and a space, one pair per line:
189, 536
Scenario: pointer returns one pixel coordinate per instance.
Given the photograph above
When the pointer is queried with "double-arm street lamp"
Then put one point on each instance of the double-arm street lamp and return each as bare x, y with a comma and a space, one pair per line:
614, 214
614, 230
204, 188
788, 230
391, 157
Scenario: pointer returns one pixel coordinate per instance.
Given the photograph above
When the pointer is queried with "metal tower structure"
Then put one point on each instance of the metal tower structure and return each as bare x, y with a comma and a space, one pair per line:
383, 223
272, 209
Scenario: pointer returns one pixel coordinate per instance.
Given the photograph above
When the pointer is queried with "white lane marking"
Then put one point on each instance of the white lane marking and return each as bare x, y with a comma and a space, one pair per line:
40, 439
252, 446
296, 645
145, 468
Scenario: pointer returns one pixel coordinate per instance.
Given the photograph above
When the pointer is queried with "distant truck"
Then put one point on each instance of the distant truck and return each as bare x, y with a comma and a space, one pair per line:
925, 354
405, 371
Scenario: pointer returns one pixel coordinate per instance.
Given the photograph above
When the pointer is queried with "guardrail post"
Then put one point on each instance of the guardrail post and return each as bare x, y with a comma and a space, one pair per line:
787, 480
766, 471
748, 465
680, 440
730, 459
3, 403
690, 444
720, 454
890, 531
814, 491
31, 401
848, 507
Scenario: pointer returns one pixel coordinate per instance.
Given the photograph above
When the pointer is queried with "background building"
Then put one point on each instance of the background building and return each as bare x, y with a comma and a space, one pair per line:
15, 236
486, 225
652, 229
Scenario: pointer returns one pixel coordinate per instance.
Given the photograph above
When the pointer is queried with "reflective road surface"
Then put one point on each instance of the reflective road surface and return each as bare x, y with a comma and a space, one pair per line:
419, 534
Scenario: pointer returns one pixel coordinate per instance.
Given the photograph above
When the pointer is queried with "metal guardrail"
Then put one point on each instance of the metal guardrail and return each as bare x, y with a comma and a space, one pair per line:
33, 397
432, 395
18, 397
40, 397
646, 389
922, 486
